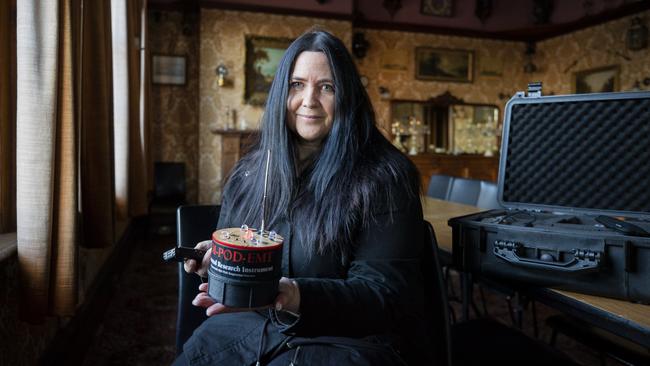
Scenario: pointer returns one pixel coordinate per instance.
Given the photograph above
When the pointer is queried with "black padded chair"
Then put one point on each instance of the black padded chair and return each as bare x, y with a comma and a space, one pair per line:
439, 186
168, 194
481, 341
434, 281
465, 191
193, 224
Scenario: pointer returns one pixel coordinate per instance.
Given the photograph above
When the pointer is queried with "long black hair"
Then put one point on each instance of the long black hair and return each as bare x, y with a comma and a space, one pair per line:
351, 178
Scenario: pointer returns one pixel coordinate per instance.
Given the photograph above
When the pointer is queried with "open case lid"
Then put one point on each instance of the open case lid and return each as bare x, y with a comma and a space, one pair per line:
585, 153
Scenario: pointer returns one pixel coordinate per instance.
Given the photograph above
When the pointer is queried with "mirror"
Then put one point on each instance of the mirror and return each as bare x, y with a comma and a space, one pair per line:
445, 125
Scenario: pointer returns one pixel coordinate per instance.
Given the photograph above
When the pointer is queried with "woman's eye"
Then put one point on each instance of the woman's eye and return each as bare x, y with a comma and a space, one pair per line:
328, 88
295, 84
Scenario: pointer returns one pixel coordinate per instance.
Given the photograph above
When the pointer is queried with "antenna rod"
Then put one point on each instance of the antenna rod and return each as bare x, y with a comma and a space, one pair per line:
266, 179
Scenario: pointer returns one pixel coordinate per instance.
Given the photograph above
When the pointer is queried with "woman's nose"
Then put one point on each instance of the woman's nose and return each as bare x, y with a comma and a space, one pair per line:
310, 98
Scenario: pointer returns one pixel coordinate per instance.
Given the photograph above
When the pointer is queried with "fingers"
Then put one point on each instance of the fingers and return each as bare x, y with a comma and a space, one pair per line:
205, 264
289, 295
192, 266
204, 300
189, 265
205, 245
212, 307
218, 308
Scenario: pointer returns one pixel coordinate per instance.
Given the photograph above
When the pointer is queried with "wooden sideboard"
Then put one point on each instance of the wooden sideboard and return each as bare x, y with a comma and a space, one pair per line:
234, 144
464, 165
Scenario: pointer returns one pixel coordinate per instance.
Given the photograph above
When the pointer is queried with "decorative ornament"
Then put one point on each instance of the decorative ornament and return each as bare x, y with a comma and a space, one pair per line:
359, 45
483, 9
637, 35
392, 6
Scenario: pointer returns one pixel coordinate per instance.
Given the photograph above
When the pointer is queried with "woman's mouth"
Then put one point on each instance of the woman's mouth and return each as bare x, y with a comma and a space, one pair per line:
309, 117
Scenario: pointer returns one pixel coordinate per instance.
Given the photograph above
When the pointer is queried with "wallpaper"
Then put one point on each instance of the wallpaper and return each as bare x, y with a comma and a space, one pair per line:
599, 46
174, 109
185, 126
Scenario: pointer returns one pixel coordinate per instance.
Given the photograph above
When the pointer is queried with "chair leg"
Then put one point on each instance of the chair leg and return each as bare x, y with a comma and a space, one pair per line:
467, 285
485, 309
534, 314
477, 312
511, 311
452, 314
449, 283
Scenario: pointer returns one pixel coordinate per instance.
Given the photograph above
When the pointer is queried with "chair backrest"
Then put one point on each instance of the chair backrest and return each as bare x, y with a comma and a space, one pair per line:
169, 179
439, 186
433, 280
465, 191
487, 197
193, 224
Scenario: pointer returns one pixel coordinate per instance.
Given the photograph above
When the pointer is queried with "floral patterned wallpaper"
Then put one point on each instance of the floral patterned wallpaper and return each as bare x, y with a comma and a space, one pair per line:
174, 109
594, 47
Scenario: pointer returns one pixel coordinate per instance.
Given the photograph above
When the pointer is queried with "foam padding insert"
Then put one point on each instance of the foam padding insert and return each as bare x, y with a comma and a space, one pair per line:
582, 154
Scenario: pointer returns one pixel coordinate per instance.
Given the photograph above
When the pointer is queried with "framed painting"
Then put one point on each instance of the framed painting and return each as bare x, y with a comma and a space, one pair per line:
440, 8
598, 80
444, 64
263, 54
168, 70
490, 66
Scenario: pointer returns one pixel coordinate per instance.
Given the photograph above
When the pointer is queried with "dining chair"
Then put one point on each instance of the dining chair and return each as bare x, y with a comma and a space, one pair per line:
194, 223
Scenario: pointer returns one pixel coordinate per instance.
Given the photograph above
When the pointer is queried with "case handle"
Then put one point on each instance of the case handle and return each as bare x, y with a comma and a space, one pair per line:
581, 261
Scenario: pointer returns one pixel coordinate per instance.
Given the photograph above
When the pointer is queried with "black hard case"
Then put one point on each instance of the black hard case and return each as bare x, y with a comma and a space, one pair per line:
564, 160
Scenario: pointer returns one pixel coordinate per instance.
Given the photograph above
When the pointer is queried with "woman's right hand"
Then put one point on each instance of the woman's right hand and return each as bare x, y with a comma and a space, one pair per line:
192, 266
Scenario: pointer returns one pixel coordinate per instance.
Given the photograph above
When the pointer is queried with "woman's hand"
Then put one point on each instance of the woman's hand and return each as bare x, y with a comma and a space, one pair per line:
192, 266
212, 307
289, 296
287, 299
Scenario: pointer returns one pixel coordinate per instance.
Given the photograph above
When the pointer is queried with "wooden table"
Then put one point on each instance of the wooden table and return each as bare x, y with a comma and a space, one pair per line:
438, 212
623, 318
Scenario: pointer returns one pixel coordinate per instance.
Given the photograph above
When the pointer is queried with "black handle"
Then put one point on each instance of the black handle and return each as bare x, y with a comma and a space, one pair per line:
178, 254
581, 260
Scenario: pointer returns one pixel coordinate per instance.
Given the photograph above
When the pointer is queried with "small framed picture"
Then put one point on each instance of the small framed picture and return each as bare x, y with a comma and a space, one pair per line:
490, 66
168, 70
440, 8
444, 64
598, 80
263, 55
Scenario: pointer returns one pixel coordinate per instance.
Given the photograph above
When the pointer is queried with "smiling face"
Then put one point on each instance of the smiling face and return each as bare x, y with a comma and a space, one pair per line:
310, 104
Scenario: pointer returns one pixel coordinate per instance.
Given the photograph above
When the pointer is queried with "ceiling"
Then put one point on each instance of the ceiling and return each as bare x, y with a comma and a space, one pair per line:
519, 20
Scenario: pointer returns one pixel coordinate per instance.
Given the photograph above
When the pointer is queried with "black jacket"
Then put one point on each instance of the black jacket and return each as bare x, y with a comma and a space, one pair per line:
378, 292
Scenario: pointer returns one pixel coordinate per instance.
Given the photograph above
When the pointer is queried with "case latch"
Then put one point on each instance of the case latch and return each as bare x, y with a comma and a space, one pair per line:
534, 89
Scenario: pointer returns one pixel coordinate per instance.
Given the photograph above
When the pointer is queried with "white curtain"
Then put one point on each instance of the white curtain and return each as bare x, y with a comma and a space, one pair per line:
121, 100
46, 159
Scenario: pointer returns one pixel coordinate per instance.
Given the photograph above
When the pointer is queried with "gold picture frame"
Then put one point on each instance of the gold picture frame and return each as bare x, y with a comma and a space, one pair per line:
444, 64
169, 69
263, 55
598, 80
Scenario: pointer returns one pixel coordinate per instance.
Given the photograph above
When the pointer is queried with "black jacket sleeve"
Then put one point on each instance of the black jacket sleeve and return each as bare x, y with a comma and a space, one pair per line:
382, 291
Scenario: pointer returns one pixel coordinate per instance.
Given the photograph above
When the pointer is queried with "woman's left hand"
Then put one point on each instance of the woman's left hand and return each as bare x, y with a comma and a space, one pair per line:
287, 299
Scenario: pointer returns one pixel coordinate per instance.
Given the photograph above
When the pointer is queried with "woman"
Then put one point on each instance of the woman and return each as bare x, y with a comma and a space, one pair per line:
347, 203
